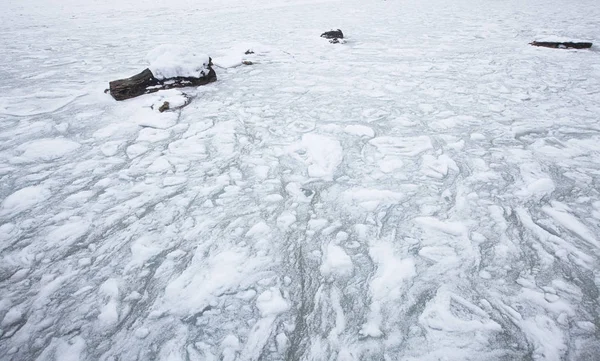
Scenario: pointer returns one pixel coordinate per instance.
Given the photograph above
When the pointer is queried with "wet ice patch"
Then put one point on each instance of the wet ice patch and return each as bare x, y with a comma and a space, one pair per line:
170, 61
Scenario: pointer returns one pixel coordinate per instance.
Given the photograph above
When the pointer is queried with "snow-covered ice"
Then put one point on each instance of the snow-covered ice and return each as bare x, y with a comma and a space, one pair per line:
23, 199
323, 155
427, 191
45, 149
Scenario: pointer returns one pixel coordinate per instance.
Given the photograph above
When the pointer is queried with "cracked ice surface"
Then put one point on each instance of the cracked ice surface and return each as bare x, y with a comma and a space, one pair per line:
426, 191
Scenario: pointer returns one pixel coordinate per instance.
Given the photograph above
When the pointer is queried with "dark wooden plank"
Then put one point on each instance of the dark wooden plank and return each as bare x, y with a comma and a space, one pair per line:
134, 86
333, 34
562, 45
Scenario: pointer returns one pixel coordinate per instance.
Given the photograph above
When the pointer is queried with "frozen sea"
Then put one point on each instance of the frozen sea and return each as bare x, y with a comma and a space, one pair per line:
428, 191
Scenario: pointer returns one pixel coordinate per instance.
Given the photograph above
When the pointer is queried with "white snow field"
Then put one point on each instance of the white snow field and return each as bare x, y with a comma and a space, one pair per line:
429, 190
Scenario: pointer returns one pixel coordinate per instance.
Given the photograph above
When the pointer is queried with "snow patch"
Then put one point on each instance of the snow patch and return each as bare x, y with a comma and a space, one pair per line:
336, 262
234, 56
437, 167
24, 199
324, 155
160, 165
452, 228
359, 130
258, 230
13, 316
109, 314
46, 149
561, 214
271, 303
207, 276
69, 232
370, 199
71, 350
147, 117
387, 285
143, 249
538, 189
407, 147
285, 220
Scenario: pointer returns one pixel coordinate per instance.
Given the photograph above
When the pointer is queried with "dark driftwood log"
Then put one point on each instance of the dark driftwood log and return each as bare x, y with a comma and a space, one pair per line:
145, 82
560, 45
333, 34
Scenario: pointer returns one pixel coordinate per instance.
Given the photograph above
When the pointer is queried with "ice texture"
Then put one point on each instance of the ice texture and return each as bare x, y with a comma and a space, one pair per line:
427, 191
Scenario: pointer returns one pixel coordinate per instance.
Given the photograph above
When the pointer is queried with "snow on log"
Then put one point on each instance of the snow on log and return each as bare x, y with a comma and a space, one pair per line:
562, 45
170, 67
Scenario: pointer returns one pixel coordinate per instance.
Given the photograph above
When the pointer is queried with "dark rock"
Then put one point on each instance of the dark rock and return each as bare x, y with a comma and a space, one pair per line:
164, 107
248, 52
333, 34
145, 82
562, 45
307, 192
